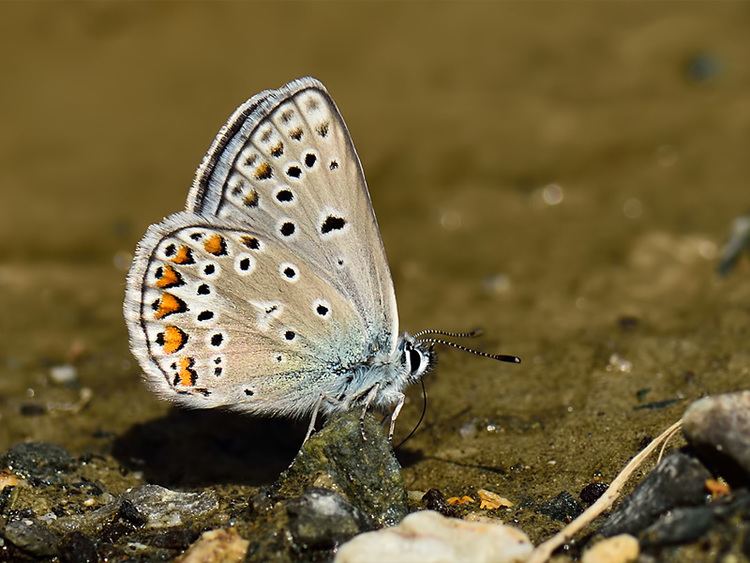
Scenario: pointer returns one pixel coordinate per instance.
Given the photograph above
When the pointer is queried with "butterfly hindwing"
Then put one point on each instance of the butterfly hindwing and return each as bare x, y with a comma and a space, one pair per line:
285, 165
220, 314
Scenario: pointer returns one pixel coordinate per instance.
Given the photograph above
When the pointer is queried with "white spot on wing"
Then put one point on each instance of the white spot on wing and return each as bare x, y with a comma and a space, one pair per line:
267, 312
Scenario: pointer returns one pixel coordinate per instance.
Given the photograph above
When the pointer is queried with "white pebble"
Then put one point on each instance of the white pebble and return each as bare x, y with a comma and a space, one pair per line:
428, 537
63, 374
617, 549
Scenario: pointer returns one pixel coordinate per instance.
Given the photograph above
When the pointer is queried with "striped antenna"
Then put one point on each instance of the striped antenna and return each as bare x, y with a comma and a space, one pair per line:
498, 357
469, 334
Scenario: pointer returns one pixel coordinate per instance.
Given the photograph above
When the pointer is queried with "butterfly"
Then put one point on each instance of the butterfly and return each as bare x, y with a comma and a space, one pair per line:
271, 293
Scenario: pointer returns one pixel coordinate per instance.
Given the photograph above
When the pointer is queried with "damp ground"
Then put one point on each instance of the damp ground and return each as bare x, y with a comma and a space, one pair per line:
563, 178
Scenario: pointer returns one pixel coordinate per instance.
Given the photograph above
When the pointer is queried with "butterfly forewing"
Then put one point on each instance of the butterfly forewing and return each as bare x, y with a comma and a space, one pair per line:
220, 314
285, 165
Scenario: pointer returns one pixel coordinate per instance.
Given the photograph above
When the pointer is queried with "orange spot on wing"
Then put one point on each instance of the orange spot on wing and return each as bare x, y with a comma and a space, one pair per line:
169, 278
264, 171
215, 245
174, 339
278, 149
186, 376
183, 256
250, 242
168, 304
251, 199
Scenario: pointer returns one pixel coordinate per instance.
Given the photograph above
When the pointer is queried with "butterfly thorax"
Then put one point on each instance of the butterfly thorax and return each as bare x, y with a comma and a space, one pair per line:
384, 374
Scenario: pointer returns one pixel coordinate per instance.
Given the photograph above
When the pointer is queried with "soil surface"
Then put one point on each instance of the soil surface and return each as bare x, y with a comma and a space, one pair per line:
562, 176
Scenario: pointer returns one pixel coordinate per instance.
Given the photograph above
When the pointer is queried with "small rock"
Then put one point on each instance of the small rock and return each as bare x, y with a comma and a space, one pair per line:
8, 479
163, 508
617, 549
428, 537
31, 536
322, 519
38, 462
435, 500
216, 546
174, 539
591, 492
63, 374
681, 525
90, 522
339, 483
129, 513
677, 481
415, 497
77, 548
702, 67
491, 501
365, 472
721, 424
33, 409
460, 501
563, 507
620, 364
737, 245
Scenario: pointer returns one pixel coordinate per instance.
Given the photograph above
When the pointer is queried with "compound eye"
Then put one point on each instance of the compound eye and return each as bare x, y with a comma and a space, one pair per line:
415, 360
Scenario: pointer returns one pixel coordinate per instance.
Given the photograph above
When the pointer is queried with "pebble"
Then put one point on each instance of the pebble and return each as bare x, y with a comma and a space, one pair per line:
737, 245
63, 374
38, 462
8, 479
678, 480
364, 472
338, 485
617, 549
77, 548
721, 425
428, 537
591, 492
703, 67
162, 508
322, 519
31, 536
563, 507
491, 501
435, 500
217, 546
681, 525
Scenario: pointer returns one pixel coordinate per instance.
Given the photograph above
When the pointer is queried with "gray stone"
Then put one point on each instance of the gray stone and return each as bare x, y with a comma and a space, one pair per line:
681, 525
322, 519
677, 481
563, 507
365, 471
721, 425
32, 536
77, 548
39, 463
162, 508
338, 485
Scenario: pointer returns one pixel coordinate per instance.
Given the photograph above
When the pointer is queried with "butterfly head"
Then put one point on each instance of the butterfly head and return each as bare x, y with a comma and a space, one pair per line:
417, 356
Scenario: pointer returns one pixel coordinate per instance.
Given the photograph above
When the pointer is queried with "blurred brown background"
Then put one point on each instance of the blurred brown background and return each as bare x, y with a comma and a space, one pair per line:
556, 173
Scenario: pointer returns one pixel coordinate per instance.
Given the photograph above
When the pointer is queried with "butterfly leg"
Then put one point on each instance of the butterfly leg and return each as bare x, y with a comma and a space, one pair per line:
368, 400
394, 415
313, 418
